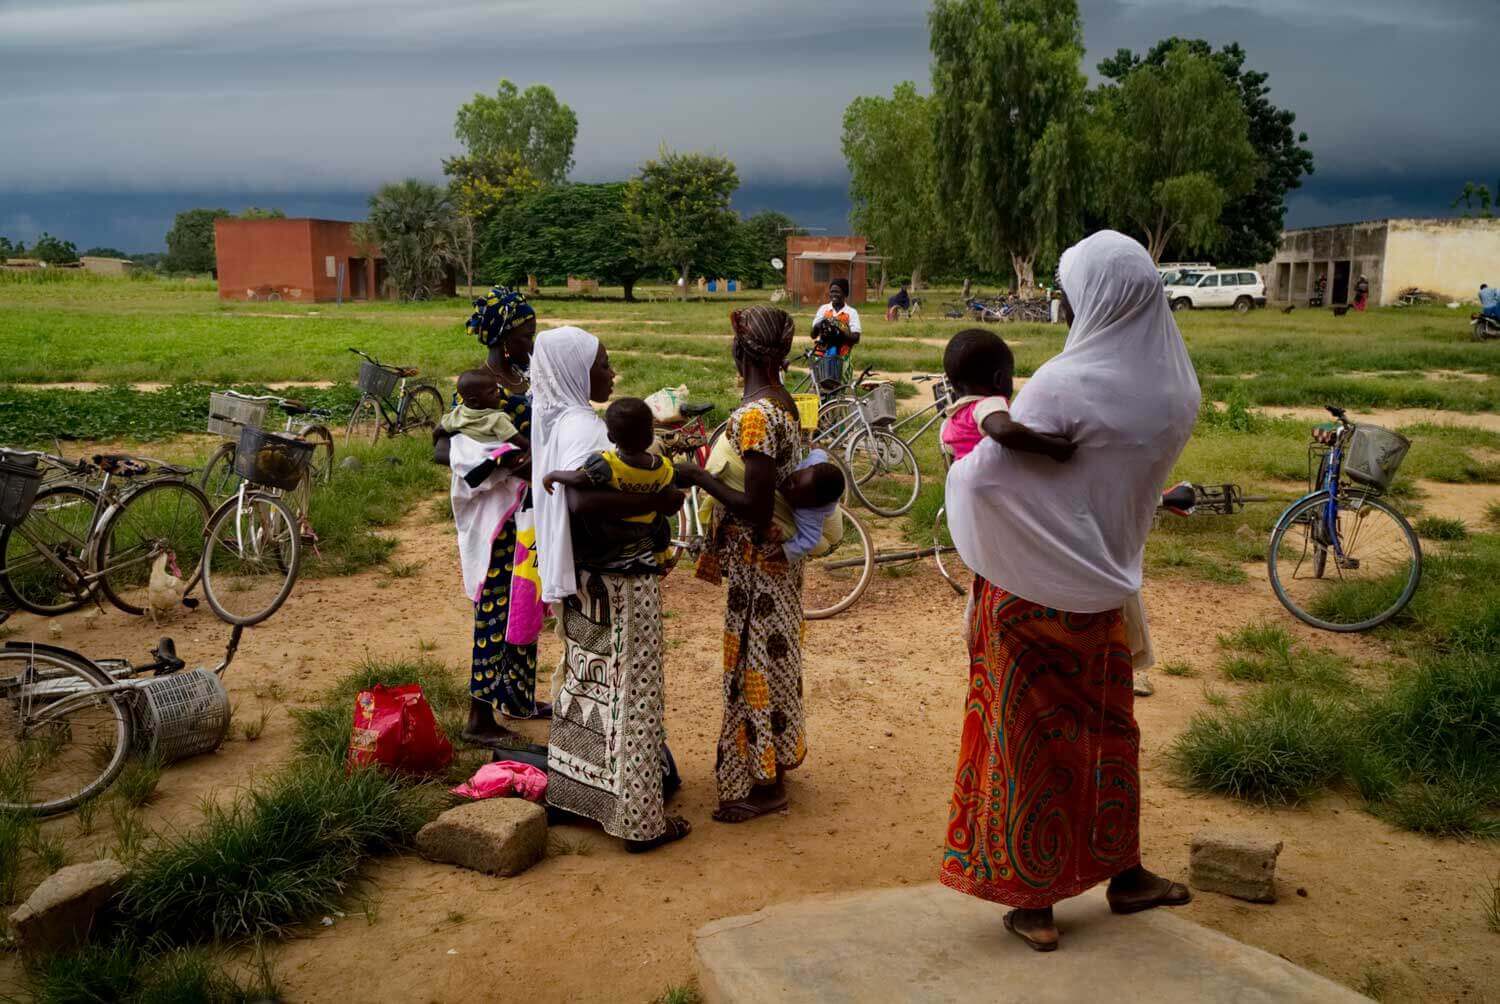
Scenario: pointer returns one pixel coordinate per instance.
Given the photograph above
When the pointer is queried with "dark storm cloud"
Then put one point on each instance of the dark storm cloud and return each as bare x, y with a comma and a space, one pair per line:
265, 100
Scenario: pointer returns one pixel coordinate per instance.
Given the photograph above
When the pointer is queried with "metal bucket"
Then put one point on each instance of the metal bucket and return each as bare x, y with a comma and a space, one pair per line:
181, 715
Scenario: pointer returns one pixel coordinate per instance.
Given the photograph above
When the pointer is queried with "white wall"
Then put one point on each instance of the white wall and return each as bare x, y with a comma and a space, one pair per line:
1447, 257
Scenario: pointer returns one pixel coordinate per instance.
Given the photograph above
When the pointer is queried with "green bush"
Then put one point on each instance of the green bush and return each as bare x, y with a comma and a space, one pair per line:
1441, 528
127, 971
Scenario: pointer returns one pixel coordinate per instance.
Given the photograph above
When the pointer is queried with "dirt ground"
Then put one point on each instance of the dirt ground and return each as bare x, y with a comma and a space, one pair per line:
885, 686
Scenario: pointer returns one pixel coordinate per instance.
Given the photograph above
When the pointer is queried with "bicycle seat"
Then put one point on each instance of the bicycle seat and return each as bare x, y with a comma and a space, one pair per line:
174, 469
696, 409
165, 655
1179, 499
295, 407
407, 371
120, 464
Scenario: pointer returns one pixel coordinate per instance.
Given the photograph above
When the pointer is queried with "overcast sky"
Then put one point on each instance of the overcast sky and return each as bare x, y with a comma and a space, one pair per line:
116, 113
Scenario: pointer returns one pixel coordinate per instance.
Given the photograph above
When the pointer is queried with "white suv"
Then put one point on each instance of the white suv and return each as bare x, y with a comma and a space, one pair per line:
1217, 288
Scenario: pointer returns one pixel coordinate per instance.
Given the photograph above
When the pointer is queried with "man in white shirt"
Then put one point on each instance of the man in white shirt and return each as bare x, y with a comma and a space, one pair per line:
837, 309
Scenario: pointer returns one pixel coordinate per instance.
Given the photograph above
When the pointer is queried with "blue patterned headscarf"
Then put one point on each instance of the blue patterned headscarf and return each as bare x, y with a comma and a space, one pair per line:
496, 314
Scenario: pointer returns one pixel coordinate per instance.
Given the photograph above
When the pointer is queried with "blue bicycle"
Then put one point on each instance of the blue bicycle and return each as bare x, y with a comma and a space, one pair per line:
1341, 558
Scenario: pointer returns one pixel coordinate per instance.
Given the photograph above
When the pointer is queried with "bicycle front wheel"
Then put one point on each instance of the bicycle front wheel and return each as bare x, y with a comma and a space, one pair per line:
321, 463
219, 480
162, 519
424, 408
884, 471
1348, 567
364, 423
959, 575
251, 561
832, 582
62, 739
57, 526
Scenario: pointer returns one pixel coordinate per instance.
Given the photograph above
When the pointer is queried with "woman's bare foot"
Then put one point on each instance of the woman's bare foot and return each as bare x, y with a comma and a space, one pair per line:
1137, 889
1036, 928
762, 800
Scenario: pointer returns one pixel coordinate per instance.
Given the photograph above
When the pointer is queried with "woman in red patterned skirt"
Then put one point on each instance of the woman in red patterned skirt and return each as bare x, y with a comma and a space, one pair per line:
1046, 802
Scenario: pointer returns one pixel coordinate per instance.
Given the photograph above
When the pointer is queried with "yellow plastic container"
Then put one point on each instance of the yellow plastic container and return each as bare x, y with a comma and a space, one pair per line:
807, 410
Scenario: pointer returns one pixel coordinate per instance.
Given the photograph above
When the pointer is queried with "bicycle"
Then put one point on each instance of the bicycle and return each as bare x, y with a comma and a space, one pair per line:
230, 411
68, 722
831, 582
883, 470
253, 548
410, 409
81, 535
1341, 558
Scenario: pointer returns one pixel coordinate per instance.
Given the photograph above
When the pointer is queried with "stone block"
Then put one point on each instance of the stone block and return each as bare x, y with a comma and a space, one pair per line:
61, 912
501, 836
1242, 865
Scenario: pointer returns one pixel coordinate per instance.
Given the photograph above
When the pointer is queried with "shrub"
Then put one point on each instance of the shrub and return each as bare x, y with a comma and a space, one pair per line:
1441, 528
1265, 653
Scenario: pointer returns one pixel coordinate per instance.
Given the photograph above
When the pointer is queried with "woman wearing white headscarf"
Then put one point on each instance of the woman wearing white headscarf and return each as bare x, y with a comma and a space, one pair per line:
1046, 801
605, 748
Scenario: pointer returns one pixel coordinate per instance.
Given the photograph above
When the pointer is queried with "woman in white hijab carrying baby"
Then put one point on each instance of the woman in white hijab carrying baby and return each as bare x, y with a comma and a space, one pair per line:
605, 748
1046, 800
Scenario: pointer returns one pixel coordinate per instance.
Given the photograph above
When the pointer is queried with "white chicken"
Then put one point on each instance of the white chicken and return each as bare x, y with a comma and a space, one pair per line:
165, 591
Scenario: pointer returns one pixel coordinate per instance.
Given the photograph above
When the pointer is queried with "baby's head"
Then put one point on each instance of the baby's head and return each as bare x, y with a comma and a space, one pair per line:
978, 363
630, 425
479, 390
815, 486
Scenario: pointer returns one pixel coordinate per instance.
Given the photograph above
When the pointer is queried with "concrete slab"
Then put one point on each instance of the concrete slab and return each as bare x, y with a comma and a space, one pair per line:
927, 943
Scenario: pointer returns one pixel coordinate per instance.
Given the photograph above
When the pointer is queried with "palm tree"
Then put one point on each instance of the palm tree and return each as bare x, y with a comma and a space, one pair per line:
415, 226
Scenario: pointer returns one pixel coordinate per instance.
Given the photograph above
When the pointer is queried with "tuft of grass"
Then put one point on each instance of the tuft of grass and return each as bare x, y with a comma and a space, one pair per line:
1374, 983
273, 856
1215, 698
680, 995
425, 645
1281, 747
255, 728
85, 815
1178, 667
1492, 515
1441, 528
1489, 904
50, 852
272, 691
1455, 807
404, 569
15, 835
131, 971
130, 832
136, 784
1266, 653
559, 846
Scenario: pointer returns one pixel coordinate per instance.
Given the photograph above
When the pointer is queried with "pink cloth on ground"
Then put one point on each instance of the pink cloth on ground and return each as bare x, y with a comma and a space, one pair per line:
960, 433
506, 778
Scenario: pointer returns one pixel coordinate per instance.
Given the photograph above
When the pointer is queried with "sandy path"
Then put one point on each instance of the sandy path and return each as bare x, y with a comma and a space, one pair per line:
1393, 418
885, 686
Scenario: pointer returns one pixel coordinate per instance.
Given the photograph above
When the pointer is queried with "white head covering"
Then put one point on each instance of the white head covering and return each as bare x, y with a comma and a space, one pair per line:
564, 431
1071, 536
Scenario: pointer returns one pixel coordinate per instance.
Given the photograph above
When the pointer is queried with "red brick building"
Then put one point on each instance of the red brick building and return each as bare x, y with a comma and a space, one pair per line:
300, 260
813, 262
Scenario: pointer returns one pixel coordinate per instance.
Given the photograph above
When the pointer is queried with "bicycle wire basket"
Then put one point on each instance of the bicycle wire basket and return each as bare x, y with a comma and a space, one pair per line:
180, 715
227, 414
377, 380
1374, 455
20, 477
828, 372
879, 406
271, 460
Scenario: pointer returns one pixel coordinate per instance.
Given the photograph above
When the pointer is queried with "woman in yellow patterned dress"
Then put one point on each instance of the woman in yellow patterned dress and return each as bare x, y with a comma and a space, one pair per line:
763, 733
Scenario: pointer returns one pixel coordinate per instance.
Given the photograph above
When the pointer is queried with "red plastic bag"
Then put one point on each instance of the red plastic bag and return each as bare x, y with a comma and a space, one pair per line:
394, 727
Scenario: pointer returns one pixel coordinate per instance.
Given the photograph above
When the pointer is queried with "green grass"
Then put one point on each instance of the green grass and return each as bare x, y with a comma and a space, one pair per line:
273, 855
1441, 528
349, 513
323, 730
136, 784
680, 995
1265, 653
1179, 668
129, 971
1489, 904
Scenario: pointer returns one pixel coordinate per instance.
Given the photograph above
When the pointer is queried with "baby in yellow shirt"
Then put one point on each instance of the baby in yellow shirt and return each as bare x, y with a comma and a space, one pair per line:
629, 543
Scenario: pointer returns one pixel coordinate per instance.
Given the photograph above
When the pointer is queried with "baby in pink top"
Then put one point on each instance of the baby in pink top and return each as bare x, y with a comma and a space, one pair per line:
981, 372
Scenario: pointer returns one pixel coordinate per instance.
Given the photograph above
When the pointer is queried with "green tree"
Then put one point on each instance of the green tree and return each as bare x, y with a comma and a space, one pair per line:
531, 125
257, 213
190, 242
1166, 174
105, 253
480, 188
893, 180
1477, 199
1250, 225
54, 250
762, 237
413, 224
680, 206
1008, 104
567, 230
9, 250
